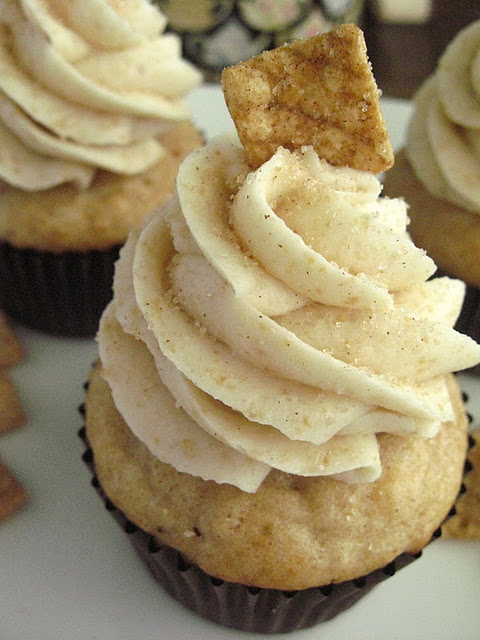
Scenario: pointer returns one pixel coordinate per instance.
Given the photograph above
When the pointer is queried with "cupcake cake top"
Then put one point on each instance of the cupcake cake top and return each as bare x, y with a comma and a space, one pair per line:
443, 140
86, 85
276, 313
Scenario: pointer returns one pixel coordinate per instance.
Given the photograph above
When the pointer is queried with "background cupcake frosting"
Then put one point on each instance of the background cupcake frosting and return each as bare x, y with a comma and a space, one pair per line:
443, 141
86, 85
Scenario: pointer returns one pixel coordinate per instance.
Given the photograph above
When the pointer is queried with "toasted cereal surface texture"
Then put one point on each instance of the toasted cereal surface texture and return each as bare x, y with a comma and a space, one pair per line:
11, 349
12, 493
12, 414
319, 91
294, 532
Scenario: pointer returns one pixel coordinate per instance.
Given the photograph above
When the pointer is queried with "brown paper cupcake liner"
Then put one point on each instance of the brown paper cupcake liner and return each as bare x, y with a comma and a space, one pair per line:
239, 606
246, 608
61, 294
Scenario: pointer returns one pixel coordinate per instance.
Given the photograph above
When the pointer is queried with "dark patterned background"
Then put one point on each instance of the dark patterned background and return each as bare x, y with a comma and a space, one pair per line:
403, 55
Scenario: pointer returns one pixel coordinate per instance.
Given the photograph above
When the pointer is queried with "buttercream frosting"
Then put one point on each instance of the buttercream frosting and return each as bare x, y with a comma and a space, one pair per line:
443, 139
278, 318
86, 85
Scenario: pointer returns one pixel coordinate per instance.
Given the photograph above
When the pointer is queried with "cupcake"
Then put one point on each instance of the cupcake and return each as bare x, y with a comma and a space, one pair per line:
272, 417
438, 170
93, 127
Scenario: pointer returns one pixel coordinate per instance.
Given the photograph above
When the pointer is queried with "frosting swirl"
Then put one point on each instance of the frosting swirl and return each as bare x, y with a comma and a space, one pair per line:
86, 85
443, 140
278, 318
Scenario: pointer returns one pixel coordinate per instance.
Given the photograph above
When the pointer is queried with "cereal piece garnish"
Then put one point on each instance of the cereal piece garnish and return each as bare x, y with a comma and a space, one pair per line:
11, 354
466, 522
11, 351
12, 494
319, 91
12, 414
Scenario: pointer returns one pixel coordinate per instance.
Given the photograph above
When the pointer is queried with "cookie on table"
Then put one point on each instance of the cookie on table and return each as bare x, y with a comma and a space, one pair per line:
12, 415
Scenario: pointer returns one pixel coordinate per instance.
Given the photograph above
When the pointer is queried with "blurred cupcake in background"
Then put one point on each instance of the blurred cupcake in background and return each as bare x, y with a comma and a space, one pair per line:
93, 126
438, 170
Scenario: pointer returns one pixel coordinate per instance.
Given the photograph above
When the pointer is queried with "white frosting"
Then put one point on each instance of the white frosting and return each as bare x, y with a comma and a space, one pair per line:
289, 316
86, 84
443, 141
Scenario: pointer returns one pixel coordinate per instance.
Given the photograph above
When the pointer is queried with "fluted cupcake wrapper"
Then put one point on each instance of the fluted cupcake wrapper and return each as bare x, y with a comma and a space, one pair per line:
246, 608
62, 293
236, 605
